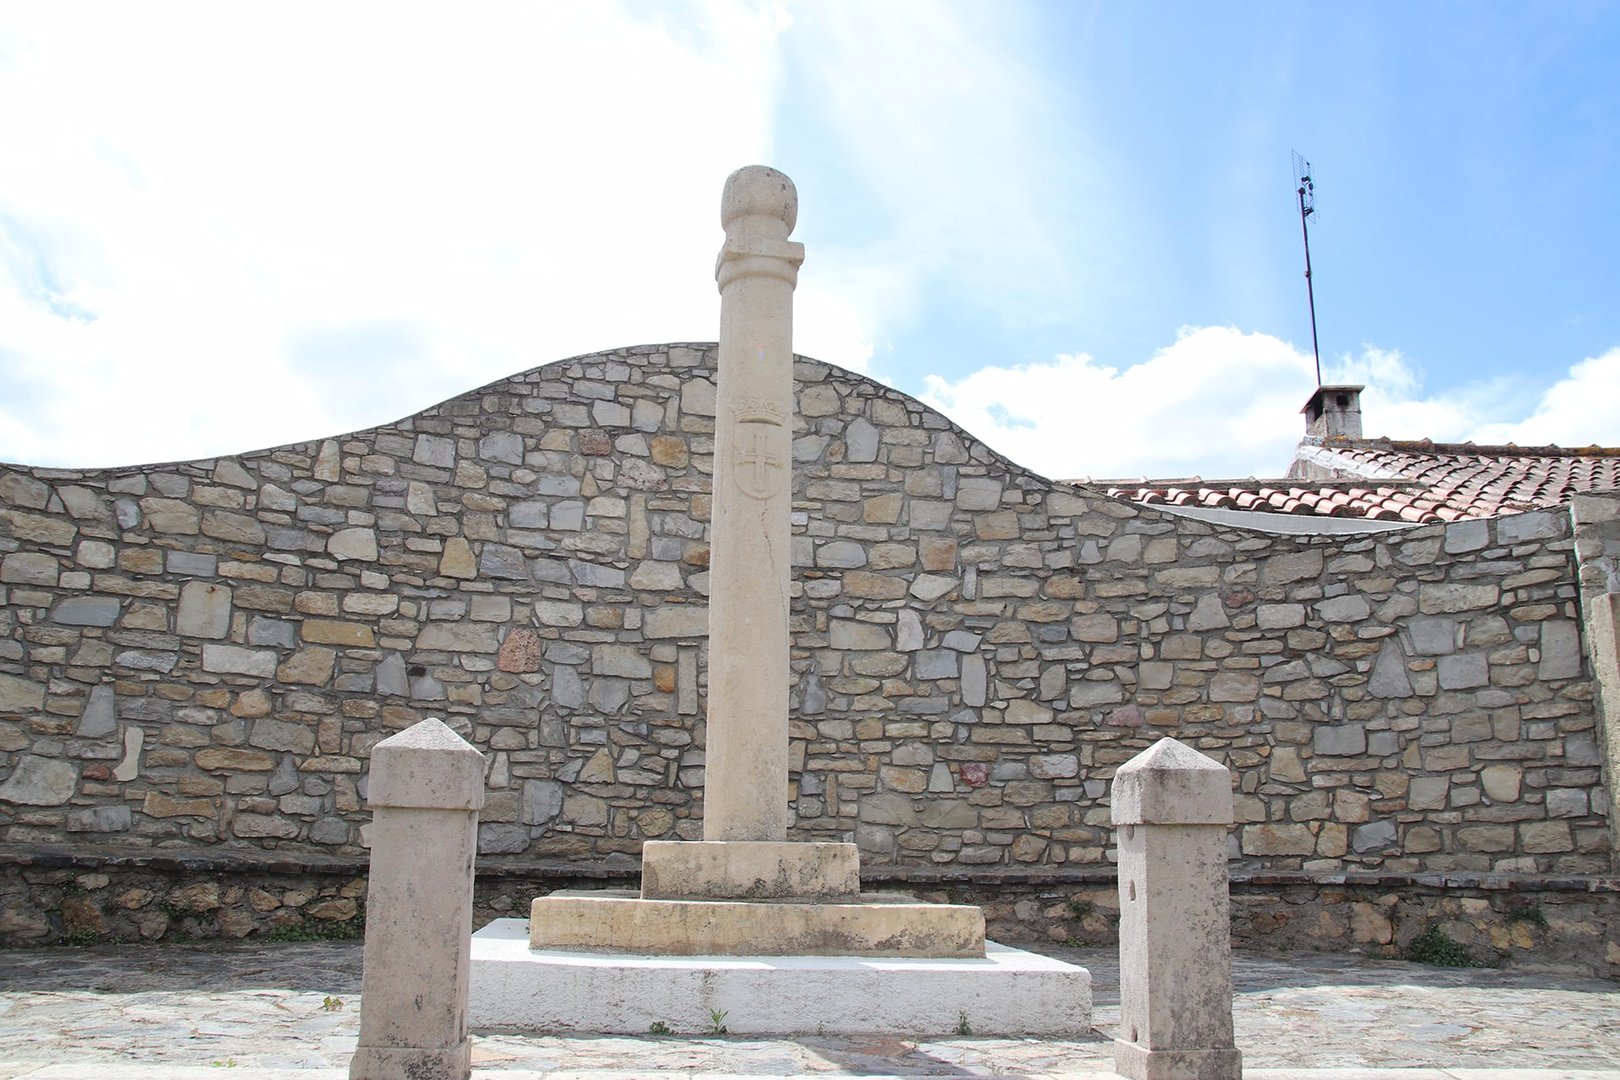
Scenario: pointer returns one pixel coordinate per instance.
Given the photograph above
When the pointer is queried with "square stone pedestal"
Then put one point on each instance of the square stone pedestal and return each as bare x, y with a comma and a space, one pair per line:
749, 870
1004, 992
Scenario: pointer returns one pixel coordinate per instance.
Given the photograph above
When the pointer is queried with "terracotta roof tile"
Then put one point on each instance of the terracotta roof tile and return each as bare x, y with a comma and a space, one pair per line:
1386, 480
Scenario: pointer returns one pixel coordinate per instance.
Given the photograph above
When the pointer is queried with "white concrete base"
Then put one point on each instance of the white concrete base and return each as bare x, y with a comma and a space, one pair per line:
1009, 992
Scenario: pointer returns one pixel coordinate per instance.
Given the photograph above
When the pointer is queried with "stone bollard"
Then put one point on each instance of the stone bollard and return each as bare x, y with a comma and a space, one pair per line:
1172, 807
427, 786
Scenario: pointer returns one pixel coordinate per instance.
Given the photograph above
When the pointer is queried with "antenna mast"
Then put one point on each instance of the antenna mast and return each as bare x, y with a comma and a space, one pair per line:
1306, 189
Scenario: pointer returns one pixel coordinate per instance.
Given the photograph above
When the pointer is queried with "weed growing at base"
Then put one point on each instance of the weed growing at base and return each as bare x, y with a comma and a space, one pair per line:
349, 930
1437, 949
1527, 913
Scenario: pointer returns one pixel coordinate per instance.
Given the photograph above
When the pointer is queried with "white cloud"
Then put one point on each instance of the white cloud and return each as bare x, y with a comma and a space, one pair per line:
1220, 403
1397, 405
201, 200
1581, 409
844, 303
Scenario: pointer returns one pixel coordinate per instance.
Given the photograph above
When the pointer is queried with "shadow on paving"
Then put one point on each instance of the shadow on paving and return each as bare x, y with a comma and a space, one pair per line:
1254, 972
328, 966
798, 1055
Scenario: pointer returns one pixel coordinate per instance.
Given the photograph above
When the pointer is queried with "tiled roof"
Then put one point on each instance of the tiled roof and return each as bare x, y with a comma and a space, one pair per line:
1385, 480
1385, 502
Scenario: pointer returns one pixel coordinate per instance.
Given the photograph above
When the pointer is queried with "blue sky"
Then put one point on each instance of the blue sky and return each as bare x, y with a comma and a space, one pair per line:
1071, 226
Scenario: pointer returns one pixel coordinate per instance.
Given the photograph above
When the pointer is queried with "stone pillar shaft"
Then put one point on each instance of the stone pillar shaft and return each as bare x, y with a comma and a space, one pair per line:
426, 788
1596, 517
1602, 618
746, 756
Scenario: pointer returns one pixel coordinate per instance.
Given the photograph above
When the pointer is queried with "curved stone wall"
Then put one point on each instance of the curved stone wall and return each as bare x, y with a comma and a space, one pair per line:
204, 653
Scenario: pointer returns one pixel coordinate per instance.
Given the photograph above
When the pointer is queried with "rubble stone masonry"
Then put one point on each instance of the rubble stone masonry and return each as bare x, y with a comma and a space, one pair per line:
203, 654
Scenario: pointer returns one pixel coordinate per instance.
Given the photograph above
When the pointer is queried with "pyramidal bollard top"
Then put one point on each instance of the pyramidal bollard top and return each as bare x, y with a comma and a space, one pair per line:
1170, 783
427, 766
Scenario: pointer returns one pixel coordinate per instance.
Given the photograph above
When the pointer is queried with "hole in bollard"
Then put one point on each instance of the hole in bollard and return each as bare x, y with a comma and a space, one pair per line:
1130, 894
1133, 1035
1130, 832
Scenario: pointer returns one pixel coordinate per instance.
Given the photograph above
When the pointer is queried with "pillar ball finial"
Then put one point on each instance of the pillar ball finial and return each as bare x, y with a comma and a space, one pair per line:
759, 190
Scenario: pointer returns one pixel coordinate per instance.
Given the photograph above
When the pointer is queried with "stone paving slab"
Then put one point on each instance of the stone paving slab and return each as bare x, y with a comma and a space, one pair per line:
291, 1012
150, 1072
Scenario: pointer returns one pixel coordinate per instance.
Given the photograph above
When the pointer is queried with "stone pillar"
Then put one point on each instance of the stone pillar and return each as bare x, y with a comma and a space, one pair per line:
1172, 807
427, 786
1596, 517
1601, 614
745, 794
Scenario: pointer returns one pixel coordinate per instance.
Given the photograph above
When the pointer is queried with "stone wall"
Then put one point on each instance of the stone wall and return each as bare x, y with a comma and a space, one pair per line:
85, 896
204, 653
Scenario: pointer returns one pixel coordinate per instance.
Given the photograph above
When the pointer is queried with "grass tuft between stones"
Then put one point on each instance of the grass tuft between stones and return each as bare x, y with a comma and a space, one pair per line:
347, 930
1527, 913
1438, 949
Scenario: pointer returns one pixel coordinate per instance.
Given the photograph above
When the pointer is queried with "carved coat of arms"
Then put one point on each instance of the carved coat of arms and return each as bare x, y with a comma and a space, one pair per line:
758, 471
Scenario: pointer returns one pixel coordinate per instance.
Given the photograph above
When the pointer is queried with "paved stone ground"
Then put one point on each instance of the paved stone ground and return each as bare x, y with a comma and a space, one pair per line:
113, 1011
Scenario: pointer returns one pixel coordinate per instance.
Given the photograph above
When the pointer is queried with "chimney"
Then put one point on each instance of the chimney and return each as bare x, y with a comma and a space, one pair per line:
1334, 412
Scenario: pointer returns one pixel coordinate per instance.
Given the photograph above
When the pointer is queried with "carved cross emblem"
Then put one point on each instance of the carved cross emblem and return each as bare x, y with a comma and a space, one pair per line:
759, 473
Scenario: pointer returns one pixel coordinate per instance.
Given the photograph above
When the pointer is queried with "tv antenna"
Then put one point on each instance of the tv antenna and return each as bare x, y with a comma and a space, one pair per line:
1306, 189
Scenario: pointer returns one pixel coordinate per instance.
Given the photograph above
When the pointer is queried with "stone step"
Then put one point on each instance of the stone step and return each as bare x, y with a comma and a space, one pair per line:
870, 924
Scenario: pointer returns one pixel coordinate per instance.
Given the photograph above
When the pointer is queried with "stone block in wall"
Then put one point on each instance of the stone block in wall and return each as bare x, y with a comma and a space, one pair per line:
1560, 644
1343, 740
1463, 671
1462, 537
87, 611
235, 660
1274, 839
39, 781
1432, 636
1532, 525
1450, 597
1389, 678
